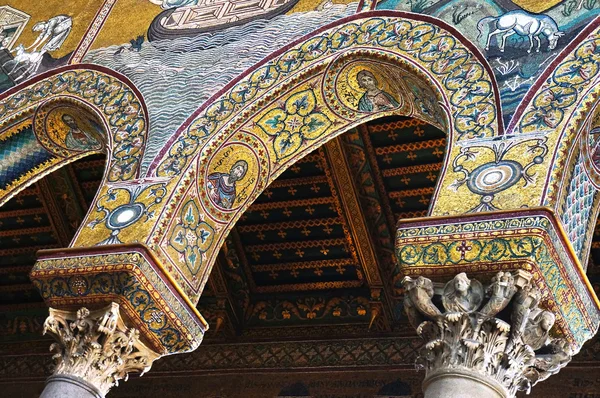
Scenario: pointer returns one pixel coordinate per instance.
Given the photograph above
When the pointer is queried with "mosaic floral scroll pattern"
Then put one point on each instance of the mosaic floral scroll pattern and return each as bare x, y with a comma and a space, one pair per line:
191, 237
459, 74
296, 122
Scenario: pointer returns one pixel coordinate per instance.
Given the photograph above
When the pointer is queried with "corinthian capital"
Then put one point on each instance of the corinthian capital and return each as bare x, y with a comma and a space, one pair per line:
472, 334
96, 346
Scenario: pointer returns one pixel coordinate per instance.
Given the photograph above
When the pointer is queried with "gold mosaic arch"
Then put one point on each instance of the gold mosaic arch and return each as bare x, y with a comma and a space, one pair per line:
448, 59
73, 112
359, 69
562, 106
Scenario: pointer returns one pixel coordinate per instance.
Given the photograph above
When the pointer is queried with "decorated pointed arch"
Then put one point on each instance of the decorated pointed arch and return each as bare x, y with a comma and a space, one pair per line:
170, 221
67, 114
361, 68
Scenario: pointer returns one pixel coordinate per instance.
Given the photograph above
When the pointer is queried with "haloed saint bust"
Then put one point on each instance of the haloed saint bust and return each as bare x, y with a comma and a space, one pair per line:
374, 99
221, 186
77, 138
462, 294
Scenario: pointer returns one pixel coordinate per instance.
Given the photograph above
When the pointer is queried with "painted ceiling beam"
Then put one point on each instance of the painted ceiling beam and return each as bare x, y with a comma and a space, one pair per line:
359, 227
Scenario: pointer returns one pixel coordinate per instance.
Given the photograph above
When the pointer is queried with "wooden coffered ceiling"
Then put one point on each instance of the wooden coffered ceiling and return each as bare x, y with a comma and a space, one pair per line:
312, 256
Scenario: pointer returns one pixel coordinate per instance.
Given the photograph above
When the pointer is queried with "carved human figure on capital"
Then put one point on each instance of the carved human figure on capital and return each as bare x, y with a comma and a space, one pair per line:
417, 301
462, 294
500, 291
222, 186
537, 329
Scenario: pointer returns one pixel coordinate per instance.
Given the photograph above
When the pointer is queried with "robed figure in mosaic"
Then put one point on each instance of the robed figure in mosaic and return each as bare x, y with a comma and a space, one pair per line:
77, 138
374, 99
221, 186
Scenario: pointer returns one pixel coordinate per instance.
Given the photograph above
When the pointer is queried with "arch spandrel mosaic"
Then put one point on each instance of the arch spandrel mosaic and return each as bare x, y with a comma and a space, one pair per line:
199, 114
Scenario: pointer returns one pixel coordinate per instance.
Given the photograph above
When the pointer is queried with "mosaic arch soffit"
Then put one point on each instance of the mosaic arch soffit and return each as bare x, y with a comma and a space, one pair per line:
80, 90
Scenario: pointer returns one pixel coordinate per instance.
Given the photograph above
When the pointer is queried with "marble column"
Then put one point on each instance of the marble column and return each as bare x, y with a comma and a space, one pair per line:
481, 340
93, 352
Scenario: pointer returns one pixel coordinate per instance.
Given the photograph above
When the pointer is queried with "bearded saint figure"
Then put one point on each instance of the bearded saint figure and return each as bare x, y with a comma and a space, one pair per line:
374, 99
221, 186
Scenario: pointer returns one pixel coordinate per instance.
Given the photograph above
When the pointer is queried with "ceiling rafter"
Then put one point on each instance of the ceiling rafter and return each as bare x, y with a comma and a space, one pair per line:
421, 168
288, 224
407, 193
25, 231
299, 287
22, 250
298, 181
291, 203
16, 269
60, 225
296, 244
377, 177
18, 288
334, 263
22, 212
411, 146
342, 174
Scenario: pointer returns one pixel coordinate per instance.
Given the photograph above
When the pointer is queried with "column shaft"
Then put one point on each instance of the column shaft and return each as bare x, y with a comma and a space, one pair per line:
457, 384
63, 386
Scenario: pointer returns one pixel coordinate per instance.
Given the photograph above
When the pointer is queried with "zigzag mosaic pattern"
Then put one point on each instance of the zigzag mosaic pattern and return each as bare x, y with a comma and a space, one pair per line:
20, 154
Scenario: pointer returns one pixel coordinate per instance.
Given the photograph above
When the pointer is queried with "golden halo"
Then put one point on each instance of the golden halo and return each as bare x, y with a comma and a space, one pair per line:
348, 90
382, 77
224, 160
58, 137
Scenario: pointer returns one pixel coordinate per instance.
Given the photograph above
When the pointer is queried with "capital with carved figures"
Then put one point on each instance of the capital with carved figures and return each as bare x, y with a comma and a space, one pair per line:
493, 339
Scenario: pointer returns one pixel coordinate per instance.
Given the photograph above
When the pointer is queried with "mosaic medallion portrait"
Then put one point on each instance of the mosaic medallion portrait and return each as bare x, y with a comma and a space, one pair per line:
232, 176
65, 128
369, 87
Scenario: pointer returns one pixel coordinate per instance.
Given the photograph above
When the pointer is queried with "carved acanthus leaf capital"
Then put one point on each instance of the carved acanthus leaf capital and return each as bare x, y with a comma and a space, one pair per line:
516, 352
96, 346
